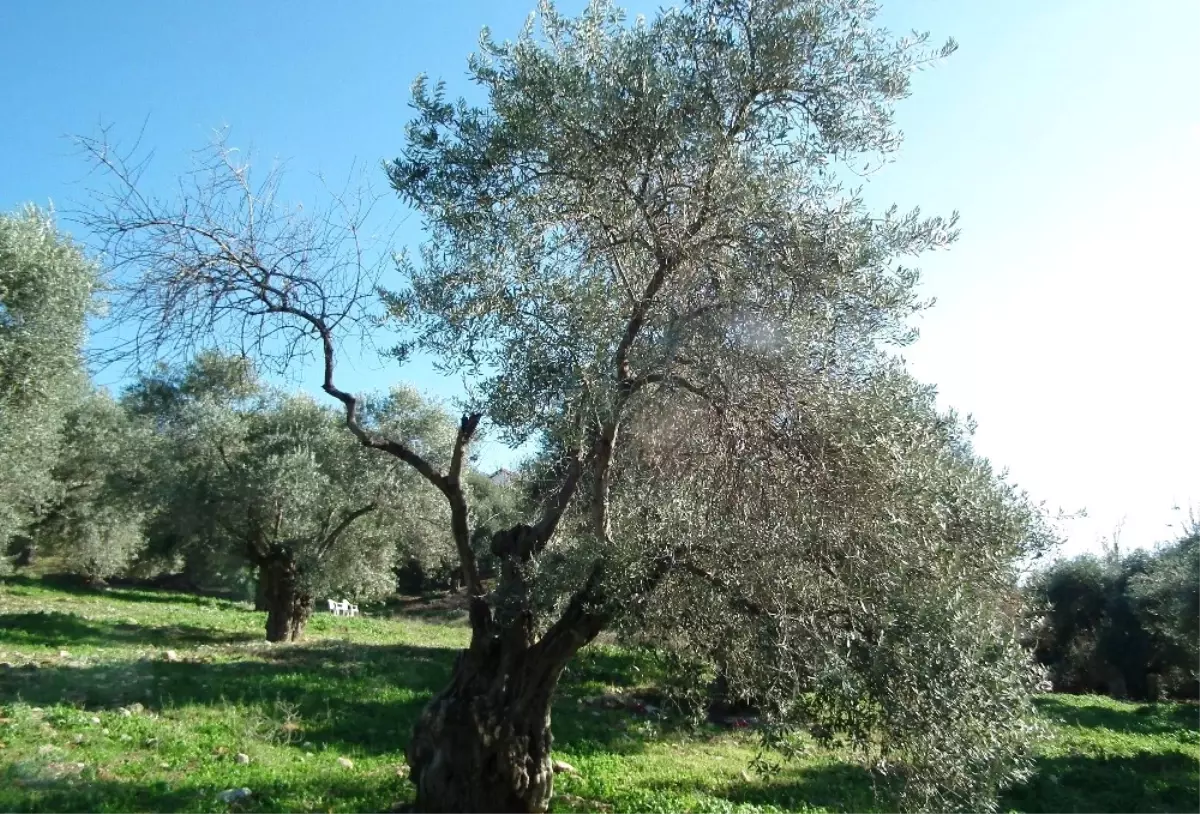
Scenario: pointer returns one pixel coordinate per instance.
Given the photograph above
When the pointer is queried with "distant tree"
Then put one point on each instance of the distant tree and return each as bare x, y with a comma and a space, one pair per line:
275, 481
1126, 625
95, 520
420, 523
1166, 602
639, 250
1074, 596
46, 290
178, 528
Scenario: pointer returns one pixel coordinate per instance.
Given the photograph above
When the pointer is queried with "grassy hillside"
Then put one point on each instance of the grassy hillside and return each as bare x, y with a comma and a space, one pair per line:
132, 700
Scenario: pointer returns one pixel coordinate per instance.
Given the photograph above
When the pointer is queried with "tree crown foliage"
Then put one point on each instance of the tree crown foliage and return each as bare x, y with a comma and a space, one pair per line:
640, 248
47, 286
249, 471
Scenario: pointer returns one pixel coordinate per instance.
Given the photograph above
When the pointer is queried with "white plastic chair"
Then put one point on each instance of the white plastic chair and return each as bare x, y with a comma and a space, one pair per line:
333, 606
343, 608
353, 609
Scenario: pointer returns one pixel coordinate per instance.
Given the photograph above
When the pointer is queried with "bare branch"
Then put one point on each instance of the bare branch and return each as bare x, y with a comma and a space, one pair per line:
227, 261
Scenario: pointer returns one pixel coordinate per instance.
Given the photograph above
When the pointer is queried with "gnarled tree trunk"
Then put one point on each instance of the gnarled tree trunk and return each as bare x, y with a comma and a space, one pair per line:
25, 550
288, 605
483, 743
260, 592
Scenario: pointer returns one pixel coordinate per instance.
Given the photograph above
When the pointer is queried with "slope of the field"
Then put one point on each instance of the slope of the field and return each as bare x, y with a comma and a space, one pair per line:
132, 700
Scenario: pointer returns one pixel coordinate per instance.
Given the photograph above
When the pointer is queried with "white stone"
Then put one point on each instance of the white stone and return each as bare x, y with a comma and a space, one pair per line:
562, 767
229, 795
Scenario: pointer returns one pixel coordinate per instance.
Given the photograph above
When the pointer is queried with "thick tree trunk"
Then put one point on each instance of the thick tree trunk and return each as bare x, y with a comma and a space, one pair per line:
260, 591
26, 553
483, 743
288, 606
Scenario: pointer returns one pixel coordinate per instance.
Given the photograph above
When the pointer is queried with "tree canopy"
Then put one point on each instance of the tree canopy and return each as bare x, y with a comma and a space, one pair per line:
640, 251
46, 290
97, 513
253, 476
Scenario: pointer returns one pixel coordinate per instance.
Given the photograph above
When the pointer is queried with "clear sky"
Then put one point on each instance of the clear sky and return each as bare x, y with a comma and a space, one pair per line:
1067, 132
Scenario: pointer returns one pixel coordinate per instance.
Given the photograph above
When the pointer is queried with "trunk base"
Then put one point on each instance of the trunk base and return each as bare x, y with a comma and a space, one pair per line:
483, 744
288, 607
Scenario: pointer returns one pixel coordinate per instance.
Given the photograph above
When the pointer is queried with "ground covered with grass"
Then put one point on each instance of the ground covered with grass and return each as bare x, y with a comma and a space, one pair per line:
134, 700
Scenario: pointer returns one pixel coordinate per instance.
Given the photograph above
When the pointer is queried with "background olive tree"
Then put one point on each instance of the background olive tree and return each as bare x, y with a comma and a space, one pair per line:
1123, 624
640, 252
46, 290
271, 482
95, 519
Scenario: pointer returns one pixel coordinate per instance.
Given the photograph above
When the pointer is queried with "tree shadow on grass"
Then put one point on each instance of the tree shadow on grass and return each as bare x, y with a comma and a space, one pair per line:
1146, 719
365, 697
832, 786
125, 590
1143, 782
606, 666
83, 794
432, 607
56, 629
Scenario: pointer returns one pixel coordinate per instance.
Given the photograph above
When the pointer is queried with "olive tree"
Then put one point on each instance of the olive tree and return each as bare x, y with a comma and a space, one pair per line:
279, 485
639, 250
46, 289
181, 538
95, 519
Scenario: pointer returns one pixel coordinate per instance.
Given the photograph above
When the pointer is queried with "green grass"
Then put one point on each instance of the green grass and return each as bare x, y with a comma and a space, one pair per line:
75, 658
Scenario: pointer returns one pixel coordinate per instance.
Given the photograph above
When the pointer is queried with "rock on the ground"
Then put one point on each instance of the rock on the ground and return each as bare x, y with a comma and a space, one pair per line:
345, 763
562, 767
171, 655
241, 757
229, 795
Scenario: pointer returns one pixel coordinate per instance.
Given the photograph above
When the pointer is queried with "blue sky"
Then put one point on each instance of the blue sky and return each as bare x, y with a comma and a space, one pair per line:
1066, 132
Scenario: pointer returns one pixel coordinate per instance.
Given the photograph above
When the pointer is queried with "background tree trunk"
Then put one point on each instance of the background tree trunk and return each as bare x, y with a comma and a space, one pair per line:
288, 606
260, 591
25, 551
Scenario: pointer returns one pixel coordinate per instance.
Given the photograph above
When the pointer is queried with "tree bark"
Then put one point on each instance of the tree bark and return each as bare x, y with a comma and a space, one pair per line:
26, 552
483, 743
260, 591
288, 605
